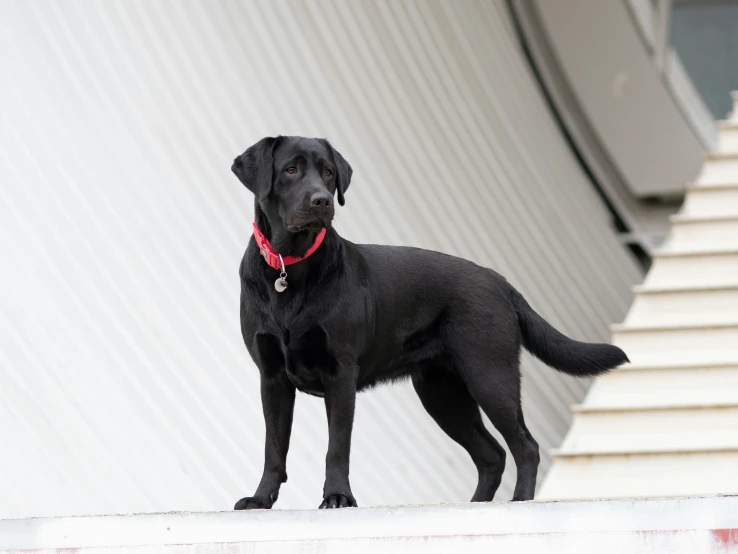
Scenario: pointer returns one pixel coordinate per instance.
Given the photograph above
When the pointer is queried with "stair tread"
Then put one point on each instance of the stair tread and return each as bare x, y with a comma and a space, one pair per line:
627, 328
585, 409
694, 187
647, 289
721, 156
687, 219
680, 367
592, 453
699, 252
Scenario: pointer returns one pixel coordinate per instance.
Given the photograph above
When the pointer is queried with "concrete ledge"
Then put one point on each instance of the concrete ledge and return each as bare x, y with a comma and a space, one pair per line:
676, 525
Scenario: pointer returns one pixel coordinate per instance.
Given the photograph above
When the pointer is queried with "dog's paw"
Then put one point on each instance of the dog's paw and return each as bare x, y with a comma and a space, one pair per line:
253, 503
338, 501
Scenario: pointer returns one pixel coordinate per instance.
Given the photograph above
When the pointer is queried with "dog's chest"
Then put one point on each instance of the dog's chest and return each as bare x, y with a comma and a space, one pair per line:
305, 378
308, 360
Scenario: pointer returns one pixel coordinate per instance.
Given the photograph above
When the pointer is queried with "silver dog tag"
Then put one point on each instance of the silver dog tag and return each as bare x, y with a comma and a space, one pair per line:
281, 284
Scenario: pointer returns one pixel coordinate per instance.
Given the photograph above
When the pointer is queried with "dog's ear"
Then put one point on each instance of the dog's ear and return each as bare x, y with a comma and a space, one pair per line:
343, 174
254, 167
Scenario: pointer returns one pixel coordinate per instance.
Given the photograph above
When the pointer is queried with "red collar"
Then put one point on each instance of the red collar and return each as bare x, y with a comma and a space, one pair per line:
272, 257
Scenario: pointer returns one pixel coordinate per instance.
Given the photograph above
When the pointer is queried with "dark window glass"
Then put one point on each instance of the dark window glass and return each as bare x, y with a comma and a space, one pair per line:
705, 35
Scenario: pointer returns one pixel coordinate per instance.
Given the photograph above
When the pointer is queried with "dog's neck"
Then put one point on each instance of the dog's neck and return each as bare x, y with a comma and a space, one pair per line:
282, 241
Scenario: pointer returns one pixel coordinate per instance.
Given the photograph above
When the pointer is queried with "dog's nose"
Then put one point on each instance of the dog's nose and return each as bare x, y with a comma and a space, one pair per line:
321, 199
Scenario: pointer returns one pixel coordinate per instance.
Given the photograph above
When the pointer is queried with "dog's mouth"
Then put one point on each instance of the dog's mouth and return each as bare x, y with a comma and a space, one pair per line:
314, 226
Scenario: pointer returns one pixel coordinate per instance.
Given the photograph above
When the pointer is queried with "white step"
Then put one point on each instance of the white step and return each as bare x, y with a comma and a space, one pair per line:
693, 268
633, 386
718, 168
727, 137
711, 200
703, 232
646, 526
687, 305
642, 475
644, 429
678, 343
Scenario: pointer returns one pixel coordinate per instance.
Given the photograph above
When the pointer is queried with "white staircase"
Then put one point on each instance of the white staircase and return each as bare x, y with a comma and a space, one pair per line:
667, 424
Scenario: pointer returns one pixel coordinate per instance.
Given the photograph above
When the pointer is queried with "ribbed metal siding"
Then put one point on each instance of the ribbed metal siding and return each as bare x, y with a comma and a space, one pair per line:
124, 385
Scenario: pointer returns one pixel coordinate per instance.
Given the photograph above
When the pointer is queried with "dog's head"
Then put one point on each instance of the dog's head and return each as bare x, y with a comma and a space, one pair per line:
295, 179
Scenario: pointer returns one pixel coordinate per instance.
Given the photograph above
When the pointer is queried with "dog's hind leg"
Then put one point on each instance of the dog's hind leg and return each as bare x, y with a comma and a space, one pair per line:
446, 398
496, 387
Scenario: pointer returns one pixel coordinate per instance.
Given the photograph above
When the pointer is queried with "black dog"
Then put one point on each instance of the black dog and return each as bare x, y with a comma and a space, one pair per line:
348, 317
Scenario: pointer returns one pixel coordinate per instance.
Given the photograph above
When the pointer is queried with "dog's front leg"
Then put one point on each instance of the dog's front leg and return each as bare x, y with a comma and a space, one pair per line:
278, 403
340, 400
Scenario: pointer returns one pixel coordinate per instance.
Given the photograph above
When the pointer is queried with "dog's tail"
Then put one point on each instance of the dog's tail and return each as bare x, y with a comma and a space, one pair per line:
581, 359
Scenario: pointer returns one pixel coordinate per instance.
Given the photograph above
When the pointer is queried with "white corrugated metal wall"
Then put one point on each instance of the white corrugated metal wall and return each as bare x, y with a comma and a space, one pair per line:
124, 385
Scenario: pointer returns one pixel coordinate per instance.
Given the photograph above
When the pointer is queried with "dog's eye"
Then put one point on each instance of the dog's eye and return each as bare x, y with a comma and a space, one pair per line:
327, 173
291, 170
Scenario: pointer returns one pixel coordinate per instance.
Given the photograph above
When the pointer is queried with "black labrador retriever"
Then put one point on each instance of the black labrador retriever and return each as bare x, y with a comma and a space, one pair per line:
330, 318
